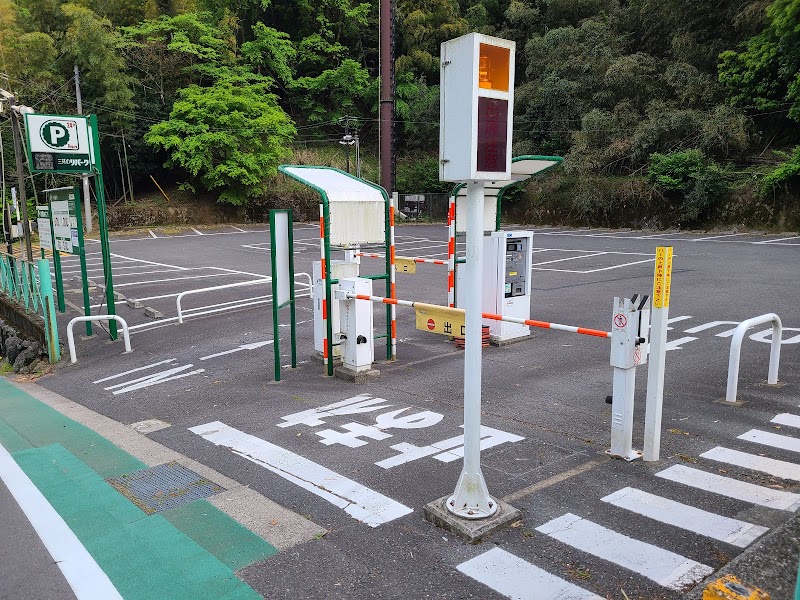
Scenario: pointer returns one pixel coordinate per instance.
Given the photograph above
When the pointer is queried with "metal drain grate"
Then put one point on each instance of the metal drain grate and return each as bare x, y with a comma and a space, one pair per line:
164, 487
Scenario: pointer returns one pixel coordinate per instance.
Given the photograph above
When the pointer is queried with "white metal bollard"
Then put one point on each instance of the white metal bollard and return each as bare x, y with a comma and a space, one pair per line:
71, 337
736, 351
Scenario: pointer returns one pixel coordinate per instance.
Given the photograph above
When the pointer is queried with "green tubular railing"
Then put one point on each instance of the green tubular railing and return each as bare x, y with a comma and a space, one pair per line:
30, 285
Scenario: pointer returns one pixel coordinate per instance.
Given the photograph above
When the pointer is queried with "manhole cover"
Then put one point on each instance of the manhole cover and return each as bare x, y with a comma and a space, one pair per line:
164, 487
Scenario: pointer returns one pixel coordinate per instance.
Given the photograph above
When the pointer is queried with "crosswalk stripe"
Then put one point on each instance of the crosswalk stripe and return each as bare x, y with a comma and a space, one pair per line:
778, 468
787, 419
360, 502
767, 438
732, 488
518, 579
732, 531
662, 566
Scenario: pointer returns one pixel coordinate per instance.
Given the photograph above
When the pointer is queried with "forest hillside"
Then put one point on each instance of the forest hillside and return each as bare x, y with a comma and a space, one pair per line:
668, 113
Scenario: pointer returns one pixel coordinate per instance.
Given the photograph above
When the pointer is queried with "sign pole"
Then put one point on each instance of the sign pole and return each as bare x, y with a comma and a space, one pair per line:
471, 498
101, 216
274, 277
292, 315
87, 310
658, 351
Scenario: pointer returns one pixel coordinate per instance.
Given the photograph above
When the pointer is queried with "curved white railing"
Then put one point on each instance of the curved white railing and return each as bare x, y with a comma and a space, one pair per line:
736, 351
71, 337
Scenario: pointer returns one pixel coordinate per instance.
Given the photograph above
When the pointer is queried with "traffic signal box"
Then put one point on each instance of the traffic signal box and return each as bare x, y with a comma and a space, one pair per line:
476, 101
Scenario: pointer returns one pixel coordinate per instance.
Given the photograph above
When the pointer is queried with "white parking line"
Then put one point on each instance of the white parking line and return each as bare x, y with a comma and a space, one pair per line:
172, 279
150, 262
784, 442
547, 262
777, 468
237, 228
359, 501
794, 237
196, 231
87, 580
787, 419
518, 579
690, 518
732, 488
662, 566
588, 271
150, 231
716, 237
163, 362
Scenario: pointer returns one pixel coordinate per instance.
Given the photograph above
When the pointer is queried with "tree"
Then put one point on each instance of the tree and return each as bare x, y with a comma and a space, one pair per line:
230, 136
765, 73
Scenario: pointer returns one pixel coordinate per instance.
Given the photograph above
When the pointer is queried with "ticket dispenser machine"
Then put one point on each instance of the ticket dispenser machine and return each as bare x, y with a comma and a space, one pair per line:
357, 339
507, 265
340, 269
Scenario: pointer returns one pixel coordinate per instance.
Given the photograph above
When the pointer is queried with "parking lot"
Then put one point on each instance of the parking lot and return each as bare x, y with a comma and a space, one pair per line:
362, 460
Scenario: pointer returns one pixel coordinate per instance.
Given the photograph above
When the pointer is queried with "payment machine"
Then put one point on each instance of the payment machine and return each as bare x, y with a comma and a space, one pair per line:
506, 283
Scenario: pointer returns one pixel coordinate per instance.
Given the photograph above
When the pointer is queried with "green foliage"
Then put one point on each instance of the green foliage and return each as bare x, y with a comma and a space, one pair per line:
333, 93
230, 136
420, 175
786, 173
688, 175
765, 72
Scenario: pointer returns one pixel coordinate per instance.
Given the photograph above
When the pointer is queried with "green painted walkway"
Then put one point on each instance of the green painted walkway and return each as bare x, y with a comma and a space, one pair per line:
189, 552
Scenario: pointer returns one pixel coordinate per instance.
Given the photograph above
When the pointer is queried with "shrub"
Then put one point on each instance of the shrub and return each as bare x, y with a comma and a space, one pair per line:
688, 176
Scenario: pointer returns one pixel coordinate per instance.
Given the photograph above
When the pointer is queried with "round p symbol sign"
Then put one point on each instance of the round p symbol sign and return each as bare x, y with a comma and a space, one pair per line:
56, 134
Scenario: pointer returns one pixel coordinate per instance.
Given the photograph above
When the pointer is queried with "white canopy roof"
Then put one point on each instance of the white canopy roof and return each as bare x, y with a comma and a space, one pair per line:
336, 185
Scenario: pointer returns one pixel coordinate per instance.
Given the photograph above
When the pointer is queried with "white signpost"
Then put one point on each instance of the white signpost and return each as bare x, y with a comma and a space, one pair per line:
477, 99
43, 222
59, 143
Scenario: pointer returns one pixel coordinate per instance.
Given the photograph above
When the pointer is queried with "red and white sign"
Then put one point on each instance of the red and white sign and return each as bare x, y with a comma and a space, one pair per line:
431, 324
620, 321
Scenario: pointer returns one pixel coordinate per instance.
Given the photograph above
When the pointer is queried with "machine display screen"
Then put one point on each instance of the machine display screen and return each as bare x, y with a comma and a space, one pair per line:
516, 273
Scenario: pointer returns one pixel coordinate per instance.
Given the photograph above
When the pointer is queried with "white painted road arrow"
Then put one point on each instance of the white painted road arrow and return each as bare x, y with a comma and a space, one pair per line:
673, 345
252, 346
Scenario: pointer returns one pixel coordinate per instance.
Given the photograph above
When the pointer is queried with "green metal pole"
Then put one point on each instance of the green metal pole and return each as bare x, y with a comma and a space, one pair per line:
275, 308
49, 311
59, 280
326, 217
87, 303
293, 326
101, 216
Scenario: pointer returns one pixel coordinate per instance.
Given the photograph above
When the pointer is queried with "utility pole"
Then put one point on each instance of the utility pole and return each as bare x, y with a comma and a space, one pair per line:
347, 141
12, 104
87, 203
127, 164
358, 155
386, 146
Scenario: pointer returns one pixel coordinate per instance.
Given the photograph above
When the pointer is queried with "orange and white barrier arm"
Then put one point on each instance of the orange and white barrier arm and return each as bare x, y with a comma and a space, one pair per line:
493, 317
431, 261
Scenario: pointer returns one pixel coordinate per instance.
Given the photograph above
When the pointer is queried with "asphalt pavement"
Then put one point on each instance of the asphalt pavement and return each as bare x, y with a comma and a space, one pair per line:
362, 460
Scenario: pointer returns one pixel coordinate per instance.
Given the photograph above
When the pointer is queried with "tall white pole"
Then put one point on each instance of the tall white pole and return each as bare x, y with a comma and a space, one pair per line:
471, 498
662, 284
655, 384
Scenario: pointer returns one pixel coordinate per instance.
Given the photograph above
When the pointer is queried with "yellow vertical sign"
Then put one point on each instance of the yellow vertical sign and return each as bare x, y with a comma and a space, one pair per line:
662, 278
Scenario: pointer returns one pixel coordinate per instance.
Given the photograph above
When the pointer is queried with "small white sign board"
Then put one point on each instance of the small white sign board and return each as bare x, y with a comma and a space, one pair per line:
63, 227
280, 239
43, 221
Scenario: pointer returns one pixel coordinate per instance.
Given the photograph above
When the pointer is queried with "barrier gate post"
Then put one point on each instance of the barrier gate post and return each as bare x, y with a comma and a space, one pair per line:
629, 347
